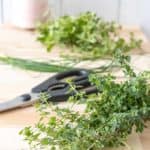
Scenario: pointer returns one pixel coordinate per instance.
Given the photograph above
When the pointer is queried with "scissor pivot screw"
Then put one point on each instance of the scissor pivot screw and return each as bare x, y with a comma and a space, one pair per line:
26, 97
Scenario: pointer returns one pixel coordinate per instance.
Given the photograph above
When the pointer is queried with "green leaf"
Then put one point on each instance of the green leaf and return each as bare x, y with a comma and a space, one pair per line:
33, 65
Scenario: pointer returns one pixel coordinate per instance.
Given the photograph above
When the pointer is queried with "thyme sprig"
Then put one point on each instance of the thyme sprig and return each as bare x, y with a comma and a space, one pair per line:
107, 119
85, 33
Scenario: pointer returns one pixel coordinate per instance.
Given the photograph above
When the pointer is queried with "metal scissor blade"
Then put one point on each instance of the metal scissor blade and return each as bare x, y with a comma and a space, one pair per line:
20, 101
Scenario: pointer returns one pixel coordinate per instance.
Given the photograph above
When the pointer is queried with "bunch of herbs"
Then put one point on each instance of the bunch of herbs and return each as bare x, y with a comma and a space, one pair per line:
86, 34
107, 119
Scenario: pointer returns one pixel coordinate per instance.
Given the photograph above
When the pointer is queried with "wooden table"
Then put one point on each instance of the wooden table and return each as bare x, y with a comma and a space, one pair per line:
21, 43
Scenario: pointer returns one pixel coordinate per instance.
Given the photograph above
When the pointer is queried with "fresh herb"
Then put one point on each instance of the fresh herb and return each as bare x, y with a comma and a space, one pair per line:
31, 65
85, 33
107, 119
89, 36
59, 66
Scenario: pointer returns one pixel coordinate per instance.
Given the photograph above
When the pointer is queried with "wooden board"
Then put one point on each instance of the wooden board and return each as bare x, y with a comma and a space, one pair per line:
21, 43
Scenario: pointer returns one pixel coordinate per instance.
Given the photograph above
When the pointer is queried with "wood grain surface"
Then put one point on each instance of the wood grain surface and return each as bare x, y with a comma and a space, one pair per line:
13, 82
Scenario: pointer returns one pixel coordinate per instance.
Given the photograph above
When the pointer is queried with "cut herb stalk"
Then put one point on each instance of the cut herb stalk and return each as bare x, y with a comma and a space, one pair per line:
33, 65
36, 66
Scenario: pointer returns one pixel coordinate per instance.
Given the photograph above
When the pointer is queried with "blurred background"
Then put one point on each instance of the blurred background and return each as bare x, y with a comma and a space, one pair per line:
126, 12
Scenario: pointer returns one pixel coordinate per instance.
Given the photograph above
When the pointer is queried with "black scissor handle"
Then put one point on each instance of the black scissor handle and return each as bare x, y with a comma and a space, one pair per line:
78, 74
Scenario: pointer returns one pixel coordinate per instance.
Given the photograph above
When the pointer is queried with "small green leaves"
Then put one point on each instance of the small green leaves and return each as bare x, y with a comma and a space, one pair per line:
45, 141
123, 61
107, 119
52, 121
26, 131
85, 33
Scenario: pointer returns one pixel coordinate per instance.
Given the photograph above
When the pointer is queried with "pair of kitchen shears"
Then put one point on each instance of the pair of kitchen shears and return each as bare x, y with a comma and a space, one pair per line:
56, 87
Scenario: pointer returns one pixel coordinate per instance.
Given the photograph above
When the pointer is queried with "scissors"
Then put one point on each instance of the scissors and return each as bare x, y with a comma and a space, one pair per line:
56, 87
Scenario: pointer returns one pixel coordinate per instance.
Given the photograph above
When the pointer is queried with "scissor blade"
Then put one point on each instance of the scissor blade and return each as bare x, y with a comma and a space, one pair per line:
19, 101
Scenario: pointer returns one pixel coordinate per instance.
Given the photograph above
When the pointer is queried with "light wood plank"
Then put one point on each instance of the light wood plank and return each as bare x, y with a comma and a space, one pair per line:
55, 8
144, 6
129, 12
135, 12
7, 10
107, 9
1, 11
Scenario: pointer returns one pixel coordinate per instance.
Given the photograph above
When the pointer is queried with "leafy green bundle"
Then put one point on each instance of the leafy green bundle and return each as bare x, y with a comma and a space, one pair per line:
85, 33
107, 120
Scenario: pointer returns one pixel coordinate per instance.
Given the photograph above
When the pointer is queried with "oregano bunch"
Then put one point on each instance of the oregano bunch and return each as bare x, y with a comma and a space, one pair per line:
85, 33
106, 120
